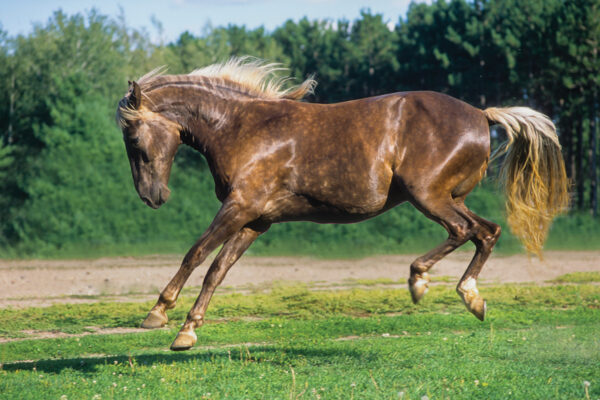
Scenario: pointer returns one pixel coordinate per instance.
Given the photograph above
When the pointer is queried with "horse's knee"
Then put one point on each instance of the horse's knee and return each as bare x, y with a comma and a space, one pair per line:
192, 259
217, 271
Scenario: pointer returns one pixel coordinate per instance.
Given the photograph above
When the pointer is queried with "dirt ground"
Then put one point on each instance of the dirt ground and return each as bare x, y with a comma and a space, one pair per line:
44, 282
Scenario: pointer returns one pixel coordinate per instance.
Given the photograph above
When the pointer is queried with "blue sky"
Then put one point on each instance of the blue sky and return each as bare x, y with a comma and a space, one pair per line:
176, 16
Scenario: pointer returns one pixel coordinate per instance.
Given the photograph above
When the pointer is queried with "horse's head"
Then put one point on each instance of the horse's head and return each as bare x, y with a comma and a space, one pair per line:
151, 141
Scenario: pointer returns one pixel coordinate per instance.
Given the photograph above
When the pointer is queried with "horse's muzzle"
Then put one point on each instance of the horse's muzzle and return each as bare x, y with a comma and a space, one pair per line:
156, 198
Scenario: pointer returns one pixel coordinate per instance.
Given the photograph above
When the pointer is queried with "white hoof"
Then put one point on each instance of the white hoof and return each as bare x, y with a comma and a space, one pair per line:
418, 284
185, 340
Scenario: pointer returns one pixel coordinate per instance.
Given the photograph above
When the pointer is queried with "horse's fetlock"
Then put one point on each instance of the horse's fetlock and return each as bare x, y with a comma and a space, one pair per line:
418, 267
468, 285
166, 302
171, 305
195, 319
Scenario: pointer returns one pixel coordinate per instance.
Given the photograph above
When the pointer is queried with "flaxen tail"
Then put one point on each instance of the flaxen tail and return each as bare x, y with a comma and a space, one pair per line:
533, 173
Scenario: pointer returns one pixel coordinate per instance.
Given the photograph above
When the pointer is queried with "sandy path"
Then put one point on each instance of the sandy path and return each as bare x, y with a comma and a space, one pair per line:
36, 282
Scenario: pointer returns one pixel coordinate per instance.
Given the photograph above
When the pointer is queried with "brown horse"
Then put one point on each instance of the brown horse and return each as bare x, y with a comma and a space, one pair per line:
276, 159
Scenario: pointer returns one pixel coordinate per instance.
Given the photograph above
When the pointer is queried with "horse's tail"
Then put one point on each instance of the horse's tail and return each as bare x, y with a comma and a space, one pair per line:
533, 173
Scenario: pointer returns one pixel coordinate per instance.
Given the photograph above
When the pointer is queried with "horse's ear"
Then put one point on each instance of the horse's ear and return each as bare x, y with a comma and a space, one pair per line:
135, 95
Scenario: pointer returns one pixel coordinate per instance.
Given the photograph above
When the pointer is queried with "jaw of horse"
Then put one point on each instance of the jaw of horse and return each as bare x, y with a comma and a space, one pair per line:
157, 318
418, 284
186, 338
469, 294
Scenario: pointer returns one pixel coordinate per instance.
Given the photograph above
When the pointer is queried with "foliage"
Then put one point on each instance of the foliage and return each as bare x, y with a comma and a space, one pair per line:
64, 179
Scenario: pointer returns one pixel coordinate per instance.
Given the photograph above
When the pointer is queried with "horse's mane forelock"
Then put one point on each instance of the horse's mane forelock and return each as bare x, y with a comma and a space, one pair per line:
253, 76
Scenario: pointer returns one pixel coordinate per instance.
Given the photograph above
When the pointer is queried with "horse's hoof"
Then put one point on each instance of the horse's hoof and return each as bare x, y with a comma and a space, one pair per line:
473, 301
418, 285
155, 319
184, 341
478, 308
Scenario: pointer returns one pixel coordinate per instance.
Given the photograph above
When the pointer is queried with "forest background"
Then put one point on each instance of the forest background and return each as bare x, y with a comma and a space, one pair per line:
65, 182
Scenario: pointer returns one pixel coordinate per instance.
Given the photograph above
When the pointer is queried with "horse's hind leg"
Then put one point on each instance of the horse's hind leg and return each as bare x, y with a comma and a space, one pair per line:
447, 213
229, 254
462, 225
418, 282
485, 238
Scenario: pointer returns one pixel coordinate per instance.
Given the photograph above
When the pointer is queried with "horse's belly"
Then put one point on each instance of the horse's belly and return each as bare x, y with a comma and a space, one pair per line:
333, 215
310, 208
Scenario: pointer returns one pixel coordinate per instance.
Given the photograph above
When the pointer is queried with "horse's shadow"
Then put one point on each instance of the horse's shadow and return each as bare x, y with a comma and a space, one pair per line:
90, 365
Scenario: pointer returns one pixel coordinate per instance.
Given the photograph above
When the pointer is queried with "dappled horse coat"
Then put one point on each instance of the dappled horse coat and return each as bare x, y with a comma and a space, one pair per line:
277, 159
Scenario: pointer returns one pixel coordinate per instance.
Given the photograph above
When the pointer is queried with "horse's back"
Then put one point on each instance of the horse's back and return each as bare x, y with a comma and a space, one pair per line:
426, 140
356, 159
404, 131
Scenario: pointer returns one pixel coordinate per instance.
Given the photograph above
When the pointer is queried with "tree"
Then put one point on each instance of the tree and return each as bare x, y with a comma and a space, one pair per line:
372, 63
320, 48
573, 77
49, 74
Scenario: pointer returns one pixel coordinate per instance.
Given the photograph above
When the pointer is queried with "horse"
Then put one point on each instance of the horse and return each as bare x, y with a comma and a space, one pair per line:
275, 158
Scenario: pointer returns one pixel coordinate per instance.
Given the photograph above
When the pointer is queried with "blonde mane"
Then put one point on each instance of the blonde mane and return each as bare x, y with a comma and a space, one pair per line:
251, 75
239, 76
258, 77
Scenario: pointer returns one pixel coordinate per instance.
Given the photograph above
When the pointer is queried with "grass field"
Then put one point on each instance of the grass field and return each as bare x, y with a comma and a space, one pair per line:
536, 343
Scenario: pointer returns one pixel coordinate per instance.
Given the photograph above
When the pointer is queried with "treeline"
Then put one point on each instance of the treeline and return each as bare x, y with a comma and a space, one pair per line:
64, 178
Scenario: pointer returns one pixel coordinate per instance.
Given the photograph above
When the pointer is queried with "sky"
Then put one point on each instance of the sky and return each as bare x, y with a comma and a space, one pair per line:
177, 16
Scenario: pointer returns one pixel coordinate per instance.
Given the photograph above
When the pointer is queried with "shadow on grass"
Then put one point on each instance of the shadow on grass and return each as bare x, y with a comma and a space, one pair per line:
270, 353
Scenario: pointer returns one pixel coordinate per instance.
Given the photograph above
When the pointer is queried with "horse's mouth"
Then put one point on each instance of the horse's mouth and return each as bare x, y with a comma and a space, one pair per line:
153, 204
159, 200
156, 197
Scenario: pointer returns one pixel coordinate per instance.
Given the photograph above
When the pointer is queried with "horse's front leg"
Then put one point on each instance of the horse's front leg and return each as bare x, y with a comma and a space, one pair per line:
229, 254
229, 220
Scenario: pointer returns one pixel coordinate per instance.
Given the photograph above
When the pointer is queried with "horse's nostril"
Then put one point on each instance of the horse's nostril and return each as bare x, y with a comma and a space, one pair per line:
147, 201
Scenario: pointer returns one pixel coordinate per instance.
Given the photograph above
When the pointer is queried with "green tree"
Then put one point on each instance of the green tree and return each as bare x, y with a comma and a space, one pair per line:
372, 62
77, 55
573, 77
320, 48
64, 177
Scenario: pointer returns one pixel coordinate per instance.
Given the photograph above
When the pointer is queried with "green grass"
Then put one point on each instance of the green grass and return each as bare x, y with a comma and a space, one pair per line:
536, 343
388, 281
578, 277
297, 302
374, 282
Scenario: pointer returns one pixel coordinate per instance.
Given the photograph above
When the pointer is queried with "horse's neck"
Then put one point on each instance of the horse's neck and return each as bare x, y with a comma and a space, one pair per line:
206, 117
210, 124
